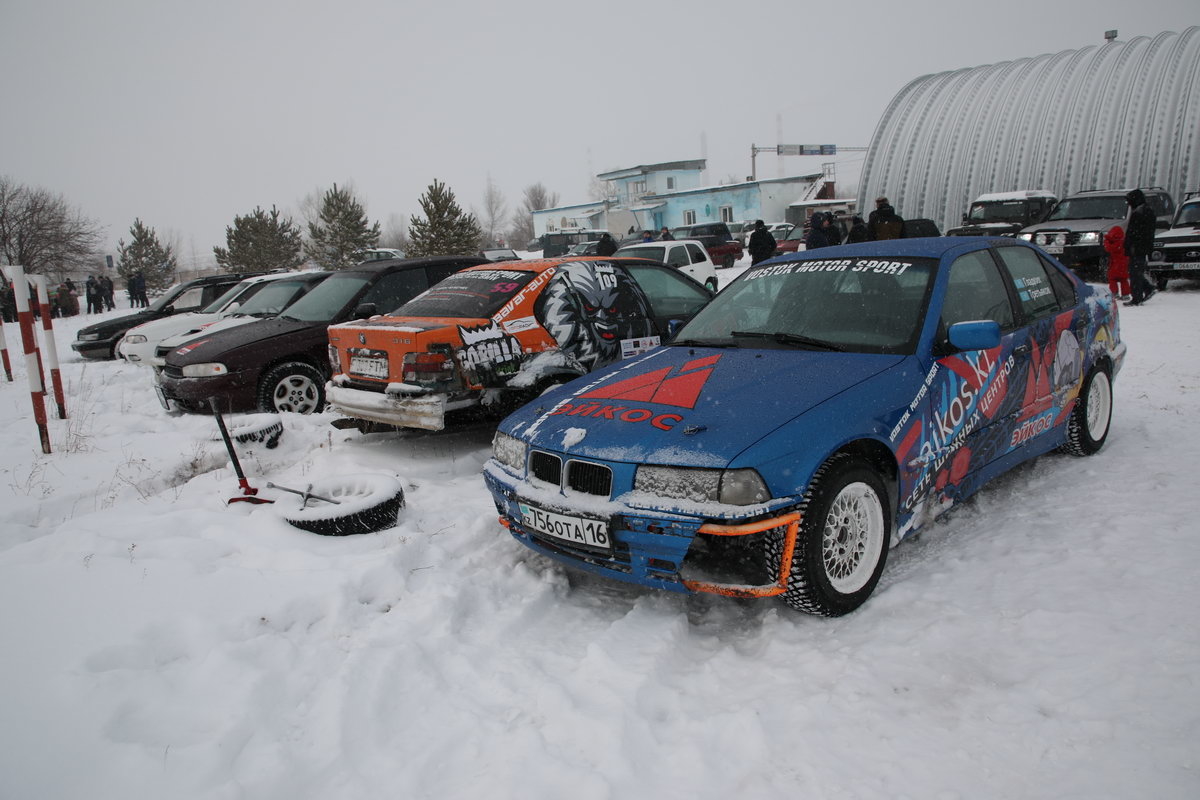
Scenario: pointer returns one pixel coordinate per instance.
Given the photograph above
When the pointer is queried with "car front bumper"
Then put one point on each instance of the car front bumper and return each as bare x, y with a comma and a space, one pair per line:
236, 391
427, 411
101, 349
648, 547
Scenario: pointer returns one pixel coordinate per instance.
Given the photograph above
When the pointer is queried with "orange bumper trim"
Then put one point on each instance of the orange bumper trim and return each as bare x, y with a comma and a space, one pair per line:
792, 523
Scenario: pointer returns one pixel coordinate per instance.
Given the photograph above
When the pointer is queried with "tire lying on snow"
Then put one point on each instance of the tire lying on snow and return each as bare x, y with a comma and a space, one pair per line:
367, 503
250, 428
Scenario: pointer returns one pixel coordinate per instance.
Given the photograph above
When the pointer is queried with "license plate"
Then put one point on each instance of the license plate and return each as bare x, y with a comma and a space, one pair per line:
576, 530
1053, 249
370, 367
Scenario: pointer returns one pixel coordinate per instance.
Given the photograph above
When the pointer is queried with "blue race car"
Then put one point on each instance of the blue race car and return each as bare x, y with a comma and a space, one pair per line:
820, 409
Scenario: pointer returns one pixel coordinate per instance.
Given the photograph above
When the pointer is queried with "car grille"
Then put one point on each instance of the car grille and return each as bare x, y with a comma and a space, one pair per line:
1060, 238
585, 477
161, 352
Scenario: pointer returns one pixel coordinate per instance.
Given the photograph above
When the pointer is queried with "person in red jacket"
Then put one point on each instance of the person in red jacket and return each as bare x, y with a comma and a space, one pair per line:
1118, 263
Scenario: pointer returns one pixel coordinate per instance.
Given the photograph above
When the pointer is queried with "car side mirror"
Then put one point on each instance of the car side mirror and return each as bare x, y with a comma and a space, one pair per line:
981, 334
169, 310
364, 311
966, 218
673, 327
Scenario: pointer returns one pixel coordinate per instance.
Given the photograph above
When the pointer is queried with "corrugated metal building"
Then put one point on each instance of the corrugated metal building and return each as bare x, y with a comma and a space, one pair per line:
1117, 115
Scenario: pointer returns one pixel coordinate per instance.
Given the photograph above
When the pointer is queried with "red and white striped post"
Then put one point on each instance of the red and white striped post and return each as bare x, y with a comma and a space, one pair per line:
4, 349
29, 341
43, 292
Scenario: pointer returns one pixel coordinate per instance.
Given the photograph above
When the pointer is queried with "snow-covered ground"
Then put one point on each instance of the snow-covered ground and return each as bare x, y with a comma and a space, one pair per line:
1042, 641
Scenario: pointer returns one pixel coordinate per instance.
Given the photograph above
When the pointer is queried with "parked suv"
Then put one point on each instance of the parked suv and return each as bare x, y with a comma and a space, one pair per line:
282, 363
722, 248
100, 340
1176, 251
1005, 213
687, 256
1074, 231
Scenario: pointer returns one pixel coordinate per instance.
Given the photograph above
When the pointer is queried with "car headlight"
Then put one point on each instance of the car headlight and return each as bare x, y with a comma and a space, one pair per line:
737, 487
134, 338
509, 451
88, 337
1089, 237
204, 370
1027, 237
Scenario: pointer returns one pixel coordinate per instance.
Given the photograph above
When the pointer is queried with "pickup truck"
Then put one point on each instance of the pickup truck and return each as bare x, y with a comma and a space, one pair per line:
1005, 213
722, 248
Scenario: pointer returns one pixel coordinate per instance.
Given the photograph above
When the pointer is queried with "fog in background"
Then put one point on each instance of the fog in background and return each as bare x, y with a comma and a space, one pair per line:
185, 115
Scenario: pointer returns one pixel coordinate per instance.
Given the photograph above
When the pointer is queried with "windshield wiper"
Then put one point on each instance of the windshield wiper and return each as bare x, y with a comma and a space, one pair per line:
699, 343
783, 337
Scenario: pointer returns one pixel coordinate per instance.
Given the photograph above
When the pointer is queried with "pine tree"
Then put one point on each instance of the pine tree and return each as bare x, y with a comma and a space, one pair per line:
146, 255
445, 230
340, 232
260, 242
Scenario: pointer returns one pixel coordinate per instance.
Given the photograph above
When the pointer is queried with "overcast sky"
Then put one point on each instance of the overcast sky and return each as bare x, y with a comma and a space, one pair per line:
185, 114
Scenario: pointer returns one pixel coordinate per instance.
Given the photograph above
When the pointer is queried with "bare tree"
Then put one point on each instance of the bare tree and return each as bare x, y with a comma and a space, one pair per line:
536, 197
41, 232
395, 233
494, 212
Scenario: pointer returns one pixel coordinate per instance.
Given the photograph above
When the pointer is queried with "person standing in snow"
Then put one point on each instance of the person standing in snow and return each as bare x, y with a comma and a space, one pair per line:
1139, 240
606, 246
1118, 263
884, 222
821, 233
92, 292
106, 292
858, 231
762, 244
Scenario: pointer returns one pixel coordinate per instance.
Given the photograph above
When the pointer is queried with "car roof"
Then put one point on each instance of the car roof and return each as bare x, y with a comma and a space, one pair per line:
388, 264
543, 264
926, 247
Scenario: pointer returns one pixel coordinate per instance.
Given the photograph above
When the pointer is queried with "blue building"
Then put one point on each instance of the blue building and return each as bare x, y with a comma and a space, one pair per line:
650, 196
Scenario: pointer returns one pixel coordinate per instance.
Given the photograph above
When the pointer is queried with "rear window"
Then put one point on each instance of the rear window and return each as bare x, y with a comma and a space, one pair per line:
475, 293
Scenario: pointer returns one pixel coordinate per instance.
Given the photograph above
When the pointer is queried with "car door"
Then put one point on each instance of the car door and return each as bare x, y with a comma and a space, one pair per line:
674, 298
970, 405
1054, 334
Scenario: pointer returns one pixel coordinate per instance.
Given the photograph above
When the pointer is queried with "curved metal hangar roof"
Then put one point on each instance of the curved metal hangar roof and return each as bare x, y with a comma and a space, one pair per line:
1117, 115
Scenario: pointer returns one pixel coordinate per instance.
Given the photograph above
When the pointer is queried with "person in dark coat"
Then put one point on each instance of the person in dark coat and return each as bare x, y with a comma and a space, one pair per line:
821, 232
95, 302
106, 292
858, 231
884, 222
1139, 240
606, 246
762, 244
665, 235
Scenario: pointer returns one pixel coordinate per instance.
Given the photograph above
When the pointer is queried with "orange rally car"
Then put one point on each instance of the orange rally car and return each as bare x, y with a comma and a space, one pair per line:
496, 336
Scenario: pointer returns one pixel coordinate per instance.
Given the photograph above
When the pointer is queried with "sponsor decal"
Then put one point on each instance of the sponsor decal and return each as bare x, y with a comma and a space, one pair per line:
1032, 427
666, 386
635, 347
489, 354
871, 265
519, 324
531, 289
187, 348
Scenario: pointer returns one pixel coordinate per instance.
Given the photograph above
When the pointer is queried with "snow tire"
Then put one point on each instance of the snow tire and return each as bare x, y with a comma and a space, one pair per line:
368, 503
294, 386
1087, 429
843, 539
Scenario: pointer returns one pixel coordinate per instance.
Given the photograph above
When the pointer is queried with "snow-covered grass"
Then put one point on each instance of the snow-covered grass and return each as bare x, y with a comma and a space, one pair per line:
1041, 641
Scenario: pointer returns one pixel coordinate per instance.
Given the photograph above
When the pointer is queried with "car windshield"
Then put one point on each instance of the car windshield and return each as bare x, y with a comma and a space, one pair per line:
1004, 211
583, 248
1189, 214
273, 298
1106, 207
862, 305
795, 233
499, 255
324, 303
474, 293
652, 252
228, 297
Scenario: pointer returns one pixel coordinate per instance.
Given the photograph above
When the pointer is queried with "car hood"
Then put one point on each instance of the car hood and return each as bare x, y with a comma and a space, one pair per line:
160, 329
691, 406
110, 326
205, 347
985, 229
1185, 233
205, 325
1091, 224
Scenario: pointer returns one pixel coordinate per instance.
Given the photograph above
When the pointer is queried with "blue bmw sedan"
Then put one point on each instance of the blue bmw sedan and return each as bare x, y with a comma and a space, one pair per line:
819, 410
